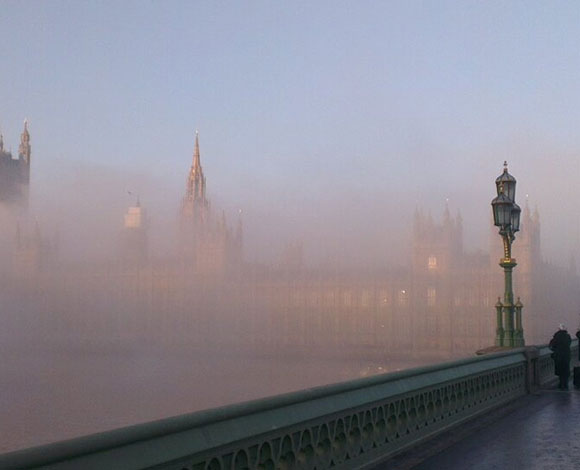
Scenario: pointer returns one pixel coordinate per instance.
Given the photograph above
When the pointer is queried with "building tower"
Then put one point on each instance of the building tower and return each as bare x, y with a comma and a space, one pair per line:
15, 173
195, 206
135, 243
208, 245
24, 150
437, 255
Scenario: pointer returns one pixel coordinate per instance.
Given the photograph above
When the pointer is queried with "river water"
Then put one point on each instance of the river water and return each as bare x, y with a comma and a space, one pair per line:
52, 393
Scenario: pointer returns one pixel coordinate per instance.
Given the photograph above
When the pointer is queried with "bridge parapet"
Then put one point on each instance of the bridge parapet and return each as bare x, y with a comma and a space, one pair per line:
347, 425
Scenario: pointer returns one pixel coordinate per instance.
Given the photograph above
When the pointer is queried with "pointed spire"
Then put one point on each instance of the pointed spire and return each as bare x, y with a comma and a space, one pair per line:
24, 148
196, 157
240, 227
446, 214
195, 203
527, 214
1, 142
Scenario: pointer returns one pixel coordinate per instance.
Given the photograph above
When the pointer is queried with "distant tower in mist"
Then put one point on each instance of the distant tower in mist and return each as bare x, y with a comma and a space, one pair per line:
437, 247
135, 241
527, 276
208, 245
195, 206
437, 255
15, 173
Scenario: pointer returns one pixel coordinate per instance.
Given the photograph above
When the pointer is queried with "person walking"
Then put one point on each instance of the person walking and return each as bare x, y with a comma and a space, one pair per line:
560, 345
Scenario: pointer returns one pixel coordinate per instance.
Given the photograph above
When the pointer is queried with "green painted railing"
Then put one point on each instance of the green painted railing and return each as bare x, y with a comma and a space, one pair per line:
348, 425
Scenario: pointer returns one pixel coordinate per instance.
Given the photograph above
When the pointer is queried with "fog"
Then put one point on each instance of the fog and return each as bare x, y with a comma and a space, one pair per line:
89, 330
339, 223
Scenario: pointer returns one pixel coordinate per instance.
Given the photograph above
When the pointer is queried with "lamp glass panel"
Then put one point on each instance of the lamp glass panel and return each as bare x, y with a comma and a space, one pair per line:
502, 209
495, 214
505, 214
515, 218
510, 190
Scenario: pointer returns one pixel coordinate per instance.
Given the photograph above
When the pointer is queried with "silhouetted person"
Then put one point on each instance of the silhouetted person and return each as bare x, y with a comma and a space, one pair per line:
560, 345
578, 336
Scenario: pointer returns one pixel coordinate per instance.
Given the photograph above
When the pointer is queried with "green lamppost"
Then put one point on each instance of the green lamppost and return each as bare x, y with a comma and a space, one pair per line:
506, 216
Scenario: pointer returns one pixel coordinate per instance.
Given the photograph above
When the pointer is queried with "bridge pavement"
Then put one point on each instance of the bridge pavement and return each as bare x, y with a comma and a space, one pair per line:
540, 432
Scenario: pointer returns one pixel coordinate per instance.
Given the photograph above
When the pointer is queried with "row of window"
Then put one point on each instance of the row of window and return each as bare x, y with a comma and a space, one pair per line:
383, 298
347, 299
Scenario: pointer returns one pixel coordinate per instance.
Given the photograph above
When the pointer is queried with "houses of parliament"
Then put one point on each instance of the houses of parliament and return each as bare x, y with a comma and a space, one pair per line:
207, 295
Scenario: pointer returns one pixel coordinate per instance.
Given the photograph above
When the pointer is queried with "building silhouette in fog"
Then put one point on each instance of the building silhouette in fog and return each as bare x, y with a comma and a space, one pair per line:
440, 305
208, 245
23, 247
135, 243
15, 173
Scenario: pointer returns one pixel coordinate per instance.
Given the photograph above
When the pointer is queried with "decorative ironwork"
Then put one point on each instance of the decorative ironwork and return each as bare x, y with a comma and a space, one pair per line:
370, 433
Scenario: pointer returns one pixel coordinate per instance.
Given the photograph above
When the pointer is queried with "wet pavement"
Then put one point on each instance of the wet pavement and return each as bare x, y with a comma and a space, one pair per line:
541, 431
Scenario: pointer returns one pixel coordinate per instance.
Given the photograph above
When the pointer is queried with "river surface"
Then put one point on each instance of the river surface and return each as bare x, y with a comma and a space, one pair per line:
49, 394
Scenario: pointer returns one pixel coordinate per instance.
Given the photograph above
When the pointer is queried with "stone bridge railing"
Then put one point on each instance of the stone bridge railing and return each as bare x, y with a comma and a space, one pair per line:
348, 425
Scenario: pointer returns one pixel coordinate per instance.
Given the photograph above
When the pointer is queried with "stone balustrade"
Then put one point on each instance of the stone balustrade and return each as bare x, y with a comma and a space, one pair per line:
347, 425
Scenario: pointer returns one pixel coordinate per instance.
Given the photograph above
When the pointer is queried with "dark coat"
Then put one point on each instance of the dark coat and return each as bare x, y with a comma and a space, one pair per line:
560, 344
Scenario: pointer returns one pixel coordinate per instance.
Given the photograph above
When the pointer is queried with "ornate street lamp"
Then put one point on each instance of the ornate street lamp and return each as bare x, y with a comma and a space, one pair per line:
506, 216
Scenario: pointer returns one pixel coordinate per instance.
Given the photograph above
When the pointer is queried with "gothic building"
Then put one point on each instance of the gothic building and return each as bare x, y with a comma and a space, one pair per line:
440, 305
208, 245
195, 208
15, 173
22, 245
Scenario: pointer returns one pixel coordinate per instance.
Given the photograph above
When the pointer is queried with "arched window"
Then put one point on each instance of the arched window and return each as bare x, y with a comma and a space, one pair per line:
431, 296
432, 262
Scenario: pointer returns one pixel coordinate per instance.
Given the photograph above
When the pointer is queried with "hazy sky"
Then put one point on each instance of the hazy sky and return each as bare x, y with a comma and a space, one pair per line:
305, 105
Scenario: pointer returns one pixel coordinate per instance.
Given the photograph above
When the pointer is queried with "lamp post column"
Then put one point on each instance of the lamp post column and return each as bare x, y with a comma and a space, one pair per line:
506, 216
519, 332
508, 303
508, 264
499, 333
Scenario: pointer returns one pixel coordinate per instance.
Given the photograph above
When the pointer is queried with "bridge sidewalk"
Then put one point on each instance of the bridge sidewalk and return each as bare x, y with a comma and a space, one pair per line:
541, 431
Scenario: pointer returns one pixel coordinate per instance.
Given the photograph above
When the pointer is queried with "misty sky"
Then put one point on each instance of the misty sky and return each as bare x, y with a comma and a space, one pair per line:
313, 116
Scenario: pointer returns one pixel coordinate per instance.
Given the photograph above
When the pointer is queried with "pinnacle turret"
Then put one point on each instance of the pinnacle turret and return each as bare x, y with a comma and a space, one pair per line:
195, 203
15, 172
196, 157
24, 149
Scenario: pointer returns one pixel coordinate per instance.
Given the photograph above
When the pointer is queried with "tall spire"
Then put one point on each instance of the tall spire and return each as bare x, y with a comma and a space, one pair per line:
196, 179
1, 142
446, 213
24, 149
195, 203
527, 213
196, 158
240, 227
